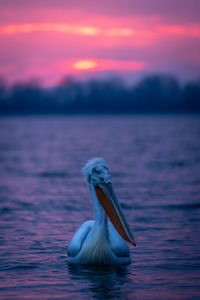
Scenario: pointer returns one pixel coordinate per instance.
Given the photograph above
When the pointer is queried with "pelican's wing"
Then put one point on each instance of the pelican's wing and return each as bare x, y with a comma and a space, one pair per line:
79, 237
118, 245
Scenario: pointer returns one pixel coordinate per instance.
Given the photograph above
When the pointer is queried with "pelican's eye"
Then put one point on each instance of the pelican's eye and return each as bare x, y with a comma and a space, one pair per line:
97, 171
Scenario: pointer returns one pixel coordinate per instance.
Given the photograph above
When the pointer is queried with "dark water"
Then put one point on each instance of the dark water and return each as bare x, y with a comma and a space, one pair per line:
155, 166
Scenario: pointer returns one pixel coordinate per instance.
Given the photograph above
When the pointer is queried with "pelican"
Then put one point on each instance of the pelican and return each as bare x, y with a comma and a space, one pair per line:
101, 241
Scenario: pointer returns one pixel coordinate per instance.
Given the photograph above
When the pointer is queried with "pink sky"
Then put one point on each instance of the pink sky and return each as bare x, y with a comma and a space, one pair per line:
52, 39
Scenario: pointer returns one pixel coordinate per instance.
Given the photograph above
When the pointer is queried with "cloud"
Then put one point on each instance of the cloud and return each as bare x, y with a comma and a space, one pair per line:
80, 65
49, 27
113, 31
188, 30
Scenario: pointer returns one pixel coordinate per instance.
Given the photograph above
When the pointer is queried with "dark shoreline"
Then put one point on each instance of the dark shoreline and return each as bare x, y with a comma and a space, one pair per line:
155, 94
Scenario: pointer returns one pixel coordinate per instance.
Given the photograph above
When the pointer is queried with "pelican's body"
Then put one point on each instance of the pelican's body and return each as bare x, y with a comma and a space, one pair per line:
97, 241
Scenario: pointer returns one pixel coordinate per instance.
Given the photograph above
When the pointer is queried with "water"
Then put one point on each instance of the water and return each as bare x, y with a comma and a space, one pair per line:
155, 166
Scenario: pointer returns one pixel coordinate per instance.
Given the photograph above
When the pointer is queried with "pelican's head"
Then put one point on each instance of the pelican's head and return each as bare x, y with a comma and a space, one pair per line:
97, 173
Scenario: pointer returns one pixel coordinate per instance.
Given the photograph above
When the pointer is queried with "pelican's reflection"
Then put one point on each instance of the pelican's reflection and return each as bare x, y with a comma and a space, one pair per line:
103, 281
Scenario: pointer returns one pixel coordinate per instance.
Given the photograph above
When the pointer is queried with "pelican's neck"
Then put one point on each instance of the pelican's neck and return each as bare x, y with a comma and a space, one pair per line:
101, 219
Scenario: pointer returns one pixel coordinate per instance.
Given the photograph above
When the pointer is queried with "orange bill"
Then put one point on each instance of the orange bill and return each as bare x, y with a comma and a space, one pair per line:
108, 200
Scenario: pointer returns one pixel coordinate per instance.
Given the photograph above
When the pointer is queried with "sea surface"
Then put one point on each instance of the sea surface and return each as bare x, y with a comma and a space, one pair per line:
155, 167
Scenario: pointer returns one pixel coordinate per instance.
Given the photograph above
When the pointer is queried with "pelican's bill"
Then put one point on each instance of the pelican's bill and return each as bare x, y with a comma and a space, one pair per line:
108, 200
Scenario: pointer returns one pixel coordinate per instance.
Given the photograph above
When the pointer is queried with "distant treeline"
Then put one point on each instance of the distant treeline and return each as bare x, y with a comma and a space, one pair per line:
153, 94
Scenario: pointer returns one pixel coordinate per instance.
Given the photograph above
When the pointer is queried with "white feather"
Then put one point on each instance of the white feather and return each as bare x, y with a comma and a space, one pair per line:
96, 169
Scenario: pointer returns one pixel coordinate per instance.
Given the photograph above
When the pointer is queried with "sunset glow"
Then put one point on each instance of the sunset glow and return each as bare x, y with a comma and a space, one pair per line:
48, 27
158, 30
48, 40
105, 65
84, 65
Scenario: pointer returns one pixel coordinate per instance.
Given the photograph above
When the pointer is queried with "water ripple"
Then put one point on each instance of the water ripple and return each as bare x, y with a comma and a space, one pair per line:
155, 165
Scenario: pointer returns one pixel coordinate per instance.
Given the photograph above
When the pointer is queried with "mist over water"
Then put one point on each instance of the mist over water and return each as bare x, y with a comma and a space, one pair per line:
155, 167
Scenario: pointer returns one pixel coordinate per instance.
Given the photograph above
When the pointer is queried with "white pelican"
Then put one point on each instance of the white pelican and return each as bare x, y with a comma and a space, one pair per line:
99, 241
